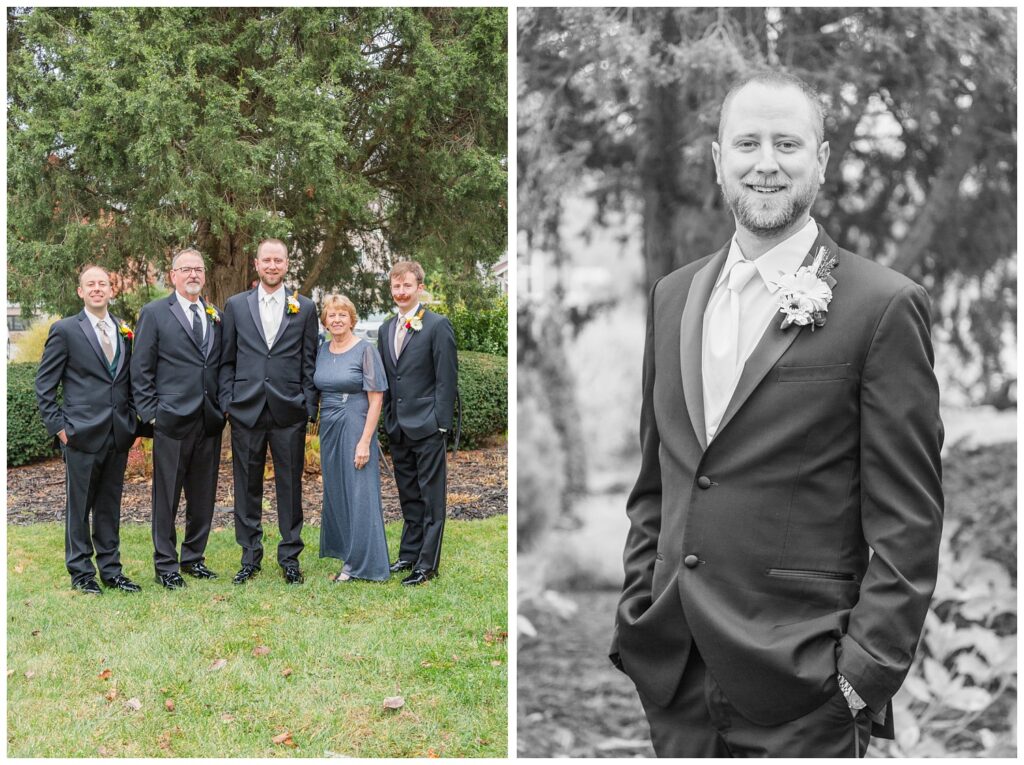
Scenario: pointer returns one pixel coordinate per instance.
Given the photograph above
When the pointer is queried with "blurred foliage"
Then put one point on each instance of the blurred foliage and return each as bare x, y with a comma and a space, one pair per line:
29, 345
921, 123
27, 439
128, 304
484, 330
356, 135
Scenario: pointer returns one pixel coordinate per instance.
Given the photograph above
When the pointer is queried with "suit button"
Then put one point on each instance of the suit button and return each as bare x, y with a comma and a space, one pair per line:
691, 561
399, 401
266, 379
398, 377
704, 482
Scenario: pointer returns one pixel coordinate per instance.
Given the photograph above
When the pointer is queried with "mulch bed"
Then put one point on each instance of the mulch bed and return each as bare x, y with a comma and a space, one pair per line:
477, 488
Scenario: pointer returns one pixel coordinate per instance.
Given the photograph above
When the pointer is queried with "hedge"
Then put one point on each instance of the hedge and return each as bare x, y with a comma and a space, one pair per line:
483, 386
485, 330
27, 439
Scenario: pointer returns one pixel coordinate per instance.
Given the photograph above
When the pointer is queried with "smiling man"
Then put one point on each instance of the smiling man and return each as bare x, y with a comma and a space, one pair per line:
784, 527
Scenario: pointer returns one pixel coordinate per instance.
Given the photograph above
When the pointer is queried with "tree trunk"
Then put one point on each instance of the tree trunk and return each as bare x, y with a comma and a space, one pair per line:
229, 263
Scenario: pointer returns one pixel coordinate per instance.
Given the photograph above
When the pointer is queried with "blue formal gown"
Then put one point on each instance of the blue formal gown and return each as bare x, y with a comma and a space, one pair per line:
352, 524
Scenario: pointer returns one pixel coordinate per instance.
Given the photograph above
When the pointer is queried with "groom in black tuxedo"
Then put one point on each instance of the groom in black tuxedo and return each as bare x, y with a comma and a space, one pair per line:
174, 375
421, 364
88, 356
267, 392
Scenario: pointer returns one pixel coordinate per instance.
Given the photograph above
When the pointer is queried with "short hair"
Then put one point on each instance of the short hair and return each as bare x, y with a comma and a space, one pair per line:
777, 79
186, 251
271, 241
403, 267
89, 266
335, 301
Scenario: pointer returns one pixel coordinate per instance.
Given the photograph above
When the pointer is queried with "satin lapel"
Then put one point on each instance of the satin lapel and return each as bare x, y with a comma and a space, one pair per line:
122, 344
691, 340
409, 334
211, 336
392, 328
186, 322
90, 335
254, 308
774, 342
286, 320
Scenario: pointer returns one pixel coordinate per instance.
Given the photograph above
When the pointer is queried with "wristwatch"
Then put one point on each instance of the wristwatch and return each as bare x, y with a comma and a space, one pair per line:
853, 700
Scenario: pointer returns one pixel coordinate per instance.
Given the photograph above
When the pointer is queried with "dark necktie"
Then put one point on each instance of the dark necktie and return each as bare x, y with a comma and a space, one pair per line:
197, 326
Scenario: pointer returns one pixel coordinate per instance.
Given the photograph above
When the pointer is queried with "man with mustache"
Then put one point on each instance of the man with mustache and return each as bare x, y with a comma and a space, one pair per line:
784, 528
267, 392
174, 376
87, 357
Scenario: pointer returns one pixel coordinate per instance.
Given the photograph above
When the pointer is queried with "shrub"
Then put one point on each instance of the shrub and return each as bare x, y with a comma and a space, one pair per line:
27, 439
483, 331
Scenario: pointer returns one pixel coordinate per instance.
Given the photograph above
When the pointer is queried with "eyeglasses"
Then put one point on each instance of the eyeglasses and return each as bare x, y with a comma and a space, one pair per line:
191, 270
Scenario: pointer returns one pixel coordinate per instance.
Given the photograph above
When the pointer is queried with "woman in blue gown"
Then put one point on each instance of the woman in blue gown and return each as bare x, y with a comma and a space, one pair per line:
350, 377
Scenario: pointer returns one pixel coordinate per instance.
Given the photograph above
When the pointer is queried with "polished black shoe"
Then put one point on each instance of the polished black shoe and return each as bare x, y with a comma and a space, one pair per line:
199, 571
171, 581
88, 586
245, 573
122, 583
400, 565
419, 576
292, 575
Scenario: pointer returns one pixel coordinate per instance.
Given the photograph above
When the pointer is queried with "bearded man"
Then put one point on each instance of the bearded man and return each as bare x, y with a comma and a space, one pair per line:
785, 525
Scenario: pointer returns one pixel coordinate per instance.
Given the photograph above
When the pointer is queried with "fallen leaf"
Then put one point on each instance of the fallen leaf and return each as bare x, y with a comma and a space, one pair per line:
495, 663
10, 672
286, 671
260, 650
164, 742
426, 664
106, 674
219, 598
455, 657
169, 704
284, 738
394, 702
30, 674
432, 754
218, 664
495, 636
227, 718
103, 752
133, 704
35, 633
19, 569
111, 694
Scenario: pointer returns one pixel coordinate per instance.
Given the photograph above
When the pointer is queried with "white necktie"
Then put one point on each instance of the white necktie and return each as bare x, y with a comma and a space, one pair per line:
400, 335
271, 319
722, 367
108, 348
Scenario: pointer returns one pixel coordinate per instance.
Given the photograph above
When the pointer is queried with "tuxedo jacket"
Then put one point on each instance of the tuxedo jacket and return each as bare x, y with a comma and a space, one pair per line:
94, 402
175, 379
803, 540
281, 377
423, 381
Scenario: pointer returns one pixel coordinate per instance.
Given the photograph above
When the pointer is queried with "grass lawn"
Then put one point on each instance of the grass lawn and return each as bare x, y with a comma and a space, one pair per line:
79, 667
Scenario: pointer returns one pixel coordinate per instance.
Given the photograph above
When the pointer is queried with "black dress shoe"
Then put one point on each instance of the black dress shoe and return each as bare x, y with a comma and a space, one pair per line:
171, 581
400, 565
199, 571
122, 583
292, 575
88, 586
419, 576
245, 573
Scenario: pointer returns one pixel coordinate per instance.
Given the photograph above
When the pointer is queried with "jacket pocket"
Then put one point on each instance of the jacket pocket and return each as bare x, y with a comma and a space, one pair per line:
806, 573
824, 373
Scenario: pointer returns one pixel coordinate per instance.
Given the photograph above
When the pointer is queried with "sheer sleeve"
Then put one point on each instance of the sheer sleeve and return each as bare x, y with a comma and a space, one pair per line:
373, 370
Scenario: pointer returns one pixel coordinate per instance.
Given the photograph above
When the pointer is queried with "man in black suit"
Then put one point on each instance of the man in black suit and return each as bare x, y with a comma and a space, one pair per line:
88, 356
421, 364
174, 376
266, 390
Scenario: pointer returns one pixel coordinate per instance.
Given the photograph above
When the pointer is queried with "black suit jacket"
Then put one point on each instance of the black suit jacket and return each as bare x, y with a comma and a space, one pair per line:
423, 381
281, 377
174, 380
756, 546
94, 402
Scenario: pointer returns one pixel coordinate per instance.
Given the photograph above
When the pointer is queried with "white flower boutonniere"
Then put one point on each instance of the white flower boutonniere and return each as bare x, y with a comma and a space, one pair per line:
415, 324
805, 295
213, 313
293, 302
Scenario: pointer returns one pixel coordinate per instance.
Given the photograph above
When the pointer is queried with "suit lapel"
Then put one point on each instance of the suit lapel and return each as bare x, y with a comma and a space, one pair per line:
122, 344
253, 299
286, 318
390, 334
691, 340
186, 322
774, 342
90, 335
409, 334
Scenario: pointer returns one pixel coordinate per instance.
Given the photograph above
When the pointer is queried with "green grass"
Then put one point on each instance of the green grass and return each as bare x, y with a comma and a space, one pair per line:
440, 646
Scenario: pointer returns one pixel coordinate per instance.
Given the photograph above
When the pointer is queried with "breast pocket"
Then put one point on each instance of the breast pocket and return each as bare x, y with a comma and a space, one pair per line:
822, 373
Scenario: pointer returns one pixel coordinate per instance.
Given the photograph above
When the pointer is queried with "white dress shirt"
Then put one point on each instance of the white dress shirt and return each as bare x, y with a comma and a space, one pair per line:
271, 311
186, 306
111, 329
758, 303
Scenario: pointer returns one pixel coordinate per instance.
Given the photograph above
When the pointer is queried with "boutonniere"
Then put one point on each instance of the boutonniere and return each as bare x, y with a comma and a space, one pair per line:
213, 313
415, 324
293, 302
805, 295
126, 332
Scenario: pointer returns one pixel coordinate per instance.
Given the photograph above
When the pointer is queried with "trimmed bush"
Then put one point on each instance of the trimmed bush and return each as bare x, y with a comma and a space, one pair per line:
27, 439
481, 331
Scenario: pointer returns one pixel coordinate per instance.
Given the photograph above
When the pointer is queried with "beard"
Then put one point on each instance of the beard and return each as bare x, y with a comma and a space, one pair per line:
769, 215
193, 288
271, 281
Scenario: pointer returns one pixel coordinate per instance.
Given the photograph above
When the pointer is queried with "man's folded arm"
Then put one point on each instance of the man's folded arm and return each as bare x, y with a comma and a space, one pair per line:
901, 500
